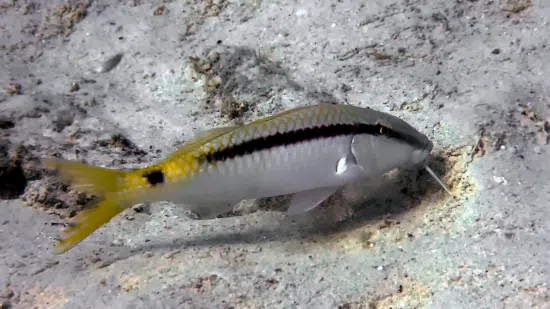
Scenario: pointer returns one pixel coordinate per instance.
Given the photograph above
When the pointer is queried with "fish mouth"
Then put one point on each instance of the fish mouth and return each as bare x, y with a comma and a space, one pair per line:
429, 146
421, 155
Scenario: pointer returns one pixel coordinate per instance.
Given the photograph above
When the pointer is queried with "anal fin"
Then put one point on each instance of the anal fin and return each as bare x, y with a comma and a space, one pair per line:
307, 200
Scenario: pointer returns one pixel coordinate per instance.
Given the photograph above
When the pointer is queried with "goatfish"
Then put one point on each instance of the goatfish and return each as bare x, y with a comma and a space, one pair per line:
310, 151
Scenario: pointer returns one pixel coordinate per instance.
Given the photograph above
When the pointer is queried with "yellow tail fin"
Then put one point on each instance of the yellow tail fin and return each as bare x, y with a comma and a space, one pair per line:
104, 183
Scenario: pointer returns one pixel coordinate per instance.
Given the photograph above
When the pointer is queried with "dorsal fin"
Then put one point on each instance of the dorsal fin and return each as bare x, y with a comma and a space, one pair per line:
208, 135
279, 115
200, 139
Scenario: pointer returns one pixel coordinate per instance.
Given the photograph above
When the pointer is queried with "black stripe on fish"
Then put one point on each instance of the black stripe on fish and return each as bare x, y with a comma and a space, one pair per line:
308, 134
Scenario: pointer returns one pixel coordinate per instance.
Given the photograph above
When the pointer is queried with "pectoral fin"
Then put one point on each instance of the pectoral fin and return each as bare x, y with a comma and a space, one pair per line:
200, 139
307, 200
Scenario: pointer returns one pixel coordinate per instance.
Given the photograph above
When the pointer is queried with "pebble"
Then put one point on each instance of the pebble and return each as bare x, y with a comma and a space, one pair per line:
75, 87
537, 149
6, 304
257, 249
147, 254
110, 63
5, 291
142, 208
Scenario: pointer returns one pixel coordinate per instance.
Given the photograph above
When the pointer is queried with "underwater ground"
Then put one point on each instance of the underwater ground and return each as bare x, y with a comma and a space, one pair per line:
122, 84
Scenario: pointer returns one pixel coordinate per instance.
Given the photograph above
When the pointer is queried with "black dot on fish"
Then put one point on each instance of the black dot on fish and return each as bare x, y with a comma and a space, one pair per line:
155, 177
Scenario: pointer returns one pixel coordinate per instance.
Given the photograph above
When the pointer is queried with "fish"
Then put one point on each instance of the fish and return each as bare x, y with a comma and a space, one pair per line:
310, 151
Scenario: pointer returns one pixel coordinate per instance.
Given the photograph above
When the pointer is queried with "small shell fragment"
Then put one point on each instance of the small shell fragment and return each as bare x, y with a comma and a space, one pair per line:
500, 180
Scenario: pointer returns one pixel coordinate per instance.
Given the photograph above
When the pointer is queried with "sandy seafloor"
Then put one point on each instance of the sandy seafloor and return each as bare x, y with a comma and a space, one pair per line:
470, 74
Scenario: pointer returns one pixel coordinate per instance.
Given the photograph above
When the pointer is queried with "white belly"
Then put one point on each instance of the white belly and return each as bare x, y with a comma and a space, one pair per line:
277, 171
